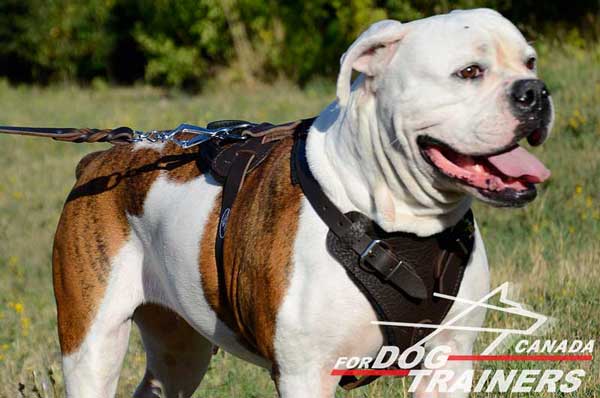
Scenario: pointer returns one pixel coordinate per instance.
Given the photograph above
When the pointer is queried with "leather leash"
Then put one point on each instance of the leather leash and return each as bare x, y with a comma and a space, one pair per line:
224, 131
118, 136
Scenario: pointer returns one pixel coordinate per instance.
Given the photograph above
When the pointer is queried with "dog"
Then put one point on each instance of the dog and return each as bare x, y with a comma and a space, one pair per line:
433, 120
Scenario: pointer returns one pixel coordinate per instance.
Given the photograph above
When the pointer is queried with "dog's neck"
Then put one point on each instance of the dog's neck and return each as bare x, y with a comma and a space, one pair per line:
360, 169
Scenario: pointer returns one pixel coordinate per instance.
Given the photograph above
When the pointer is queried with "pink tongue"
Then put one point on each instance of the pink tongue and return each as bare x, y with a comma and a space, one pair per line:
518, 163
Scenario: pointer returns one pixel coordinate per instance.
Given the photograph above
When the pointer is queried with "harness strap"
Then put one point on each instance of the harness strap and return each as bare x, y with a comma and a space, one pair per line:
375, 255
351, 382
232, 162
232, 186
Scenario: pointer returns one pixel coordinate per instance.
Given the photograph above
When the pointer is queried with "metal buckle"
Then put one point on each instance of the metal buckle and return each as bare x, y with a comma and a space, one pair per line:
368, 253
202, 134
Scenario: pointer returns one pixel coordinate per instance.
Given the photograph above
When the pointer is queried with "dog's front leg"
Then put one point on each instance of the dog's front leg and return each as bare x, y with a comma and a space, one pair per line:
454, 378
311, 381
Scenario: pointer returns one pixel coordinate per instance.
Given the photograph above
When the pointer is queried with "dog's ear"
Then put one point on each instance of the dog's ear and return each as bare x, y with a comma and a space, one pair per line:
369, 54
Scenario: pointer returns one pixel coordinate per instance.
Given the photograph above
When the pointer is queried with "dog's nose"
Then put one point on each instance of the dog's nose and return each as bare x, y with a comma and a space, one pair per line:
529, 95
530, 103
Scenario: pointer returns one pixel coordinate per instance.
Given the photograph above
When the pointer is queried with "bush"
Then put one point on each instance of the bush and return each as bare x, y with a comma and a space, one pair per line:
56, 39
183, 43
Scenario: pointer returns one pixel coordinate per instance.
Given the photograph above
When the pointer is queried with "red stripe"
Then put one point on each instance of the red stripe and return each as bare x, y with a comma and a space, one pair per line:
370, 372
519, 357
406, 372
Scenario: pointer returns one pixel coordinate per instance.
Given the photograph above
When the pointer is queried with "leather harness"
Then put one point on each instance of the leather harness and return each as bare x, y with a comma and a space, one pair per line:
397, 272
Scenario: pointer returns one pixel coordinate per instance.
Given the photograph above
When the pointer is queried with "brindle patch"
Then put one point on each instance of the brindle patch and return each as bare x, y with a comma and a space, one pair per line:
247, 292
93, 226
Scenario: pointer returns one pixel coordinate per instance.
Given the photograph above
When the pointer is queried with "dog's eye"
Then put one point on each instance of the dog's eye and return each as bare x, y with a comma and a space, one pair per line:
530, 64
470, 72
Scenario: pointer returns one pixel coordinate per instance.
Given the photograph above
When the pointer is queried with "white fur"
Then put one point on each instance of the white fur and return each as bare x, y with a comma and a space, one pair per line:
156, 146
363, 152
90, 371
170, 230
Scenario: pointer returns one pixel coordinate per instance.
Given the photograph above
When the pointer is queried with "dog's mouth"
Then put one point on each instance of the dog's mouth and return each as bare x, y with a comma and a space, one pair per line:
506, 177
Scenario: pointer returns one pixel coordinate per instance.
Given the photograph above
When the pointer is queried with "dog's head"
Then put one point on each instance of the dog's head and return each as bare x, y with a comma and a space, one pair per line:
455, 94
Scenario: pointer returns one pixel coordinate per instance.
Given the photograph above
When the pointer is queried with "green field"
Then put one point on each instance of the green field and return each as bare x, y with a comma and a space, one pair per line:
551, 249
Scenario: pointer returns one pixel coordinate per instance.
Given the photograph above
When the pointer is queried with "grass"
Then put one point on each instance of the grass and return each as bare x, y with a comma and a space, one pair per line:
551, 248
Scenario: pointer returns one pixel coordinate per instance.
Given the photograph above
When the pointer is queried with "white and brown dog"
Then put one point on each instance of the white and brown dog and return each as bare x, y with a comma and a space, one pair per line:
432, 121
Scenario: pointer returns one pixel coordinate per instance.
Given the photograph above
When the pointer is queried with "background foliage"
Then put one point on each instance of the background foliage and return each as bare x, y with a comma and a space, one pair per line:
184, 43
